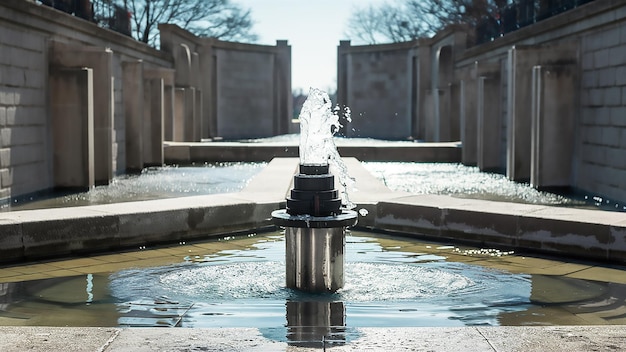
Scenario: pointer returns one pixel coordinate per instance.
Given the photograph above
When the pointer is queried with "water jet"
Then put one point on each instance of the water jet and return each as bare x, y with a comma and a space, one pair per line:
314, 220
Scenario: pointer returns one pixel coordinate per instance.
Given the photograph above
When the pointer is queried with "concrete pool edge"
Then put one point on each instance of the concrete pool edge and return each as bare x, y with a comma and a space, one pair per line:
34, 234
199, 152
502, 338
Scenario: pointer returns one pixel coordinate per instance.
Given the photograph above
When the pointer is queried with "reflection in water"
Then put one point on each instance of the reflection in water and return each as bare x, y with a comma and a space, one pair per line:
311, 323
89, 288
390, 282
67, 301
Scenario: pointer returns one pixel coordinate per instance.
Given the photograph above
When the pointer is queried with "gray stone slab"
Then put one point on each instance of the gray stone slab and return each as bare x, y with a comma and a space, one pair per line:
148, 339
461, 339
33, 338
556, 338
274, 181
502, 338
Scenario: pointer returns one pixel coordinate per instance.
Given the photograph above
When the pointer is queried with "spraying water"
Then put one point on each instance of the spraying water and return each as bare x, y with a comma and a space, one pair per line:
318, 124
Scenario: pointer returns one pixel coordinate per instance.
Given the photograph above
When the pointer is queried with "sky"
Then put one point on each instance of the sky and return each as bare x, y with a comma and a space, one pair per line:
313, 28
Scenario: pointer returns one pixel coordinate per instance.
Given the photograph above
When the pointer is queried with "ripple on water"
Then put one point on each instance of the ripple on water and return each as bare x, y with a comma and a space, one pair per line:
364, 282
384, 288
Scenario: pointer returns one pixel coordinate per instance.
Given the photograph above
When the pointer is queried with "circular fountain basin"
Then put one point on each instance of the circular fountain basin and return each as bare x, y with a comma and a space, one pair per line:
240, 282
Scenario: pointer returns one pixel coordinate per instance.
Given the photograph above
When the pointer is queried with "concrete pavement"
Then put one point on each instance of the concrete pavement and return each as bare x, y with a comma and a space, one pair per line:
475, 339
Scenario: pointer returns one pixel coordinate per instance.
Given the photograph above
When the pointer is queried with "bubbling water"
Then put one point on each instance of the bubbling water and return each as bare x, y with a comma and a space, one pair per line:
318, 124
385, 285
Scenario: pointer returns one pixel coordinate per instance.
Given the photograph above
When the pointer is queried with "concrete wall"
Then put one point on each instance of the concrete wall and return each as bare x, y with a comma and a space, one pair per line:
601, 139
590, 42
193, 88
35, 40
402, 90
232, 90
484, 96
25, 161
376, 83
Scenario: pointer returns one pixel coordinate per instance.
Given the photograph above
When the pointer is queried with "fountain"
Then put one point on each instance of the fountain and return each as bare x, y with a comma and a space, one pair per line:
314, 220
231, 282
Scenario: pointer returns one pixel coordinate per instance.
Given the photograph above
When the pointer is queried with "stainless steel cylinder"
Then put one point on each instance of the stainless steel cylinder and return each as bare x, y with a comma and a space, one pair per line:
314, 258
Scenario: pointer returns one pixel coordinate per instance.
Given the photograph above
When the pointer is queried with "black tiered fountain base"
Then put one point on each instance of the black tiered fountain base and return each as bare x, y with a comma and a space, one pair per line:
315, 227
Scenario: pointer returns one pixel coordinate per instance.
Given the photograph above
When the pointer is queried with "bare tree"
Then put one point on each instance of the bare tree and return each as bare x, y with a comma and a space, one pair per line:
220, 19
404, 20
469, 12
387, 22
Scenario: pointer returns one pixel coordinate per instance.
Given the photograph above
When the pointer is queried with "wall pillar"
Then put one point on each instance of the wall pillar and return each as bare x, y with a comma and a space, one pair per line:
519, 64
343, 81
489, 126
178, 125
521, 60
187, 66
71, 109
167, 75
199, 122
421, 72
454, 121
207, 86
443, 95
132, 87
490, 148
189, 133
468, 114
194, 81
431, 126
553, 115
153, 122
168, 112
100, 60
282, 78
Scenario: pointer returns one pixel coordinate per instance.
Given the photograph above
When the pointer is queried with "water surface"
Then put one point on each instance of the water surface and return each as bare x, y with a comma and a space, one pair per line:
152, 183
239, 282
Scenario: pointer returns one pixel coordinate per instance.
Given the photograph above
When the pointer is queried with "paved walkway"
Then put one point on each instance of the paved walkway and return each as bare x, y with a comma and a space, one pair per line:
544, 339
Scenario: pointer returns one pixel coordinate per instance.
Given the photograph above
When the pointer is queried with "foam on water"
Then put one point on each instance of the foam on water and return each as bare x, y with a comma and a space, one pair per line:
458, 180
158, 183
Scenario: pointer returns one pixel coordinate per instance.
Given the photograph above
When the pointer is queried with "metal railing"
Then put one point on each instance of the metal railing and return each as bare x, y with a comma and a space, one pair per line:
111, 14
519, 14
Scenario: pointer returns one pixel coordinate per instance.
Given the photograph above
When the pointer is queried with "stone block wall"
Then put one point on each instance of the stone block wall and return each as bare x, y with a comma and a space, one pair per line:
24, 143
244, 74
193, 88
591, 37
234, 90
33, 40
602, 139
376, 84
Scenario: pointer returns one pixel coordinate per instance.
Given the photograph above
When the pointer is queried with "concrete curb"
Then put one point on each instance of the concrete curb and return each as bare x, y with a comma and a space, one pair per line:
186, 153
569, 232
34, 234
